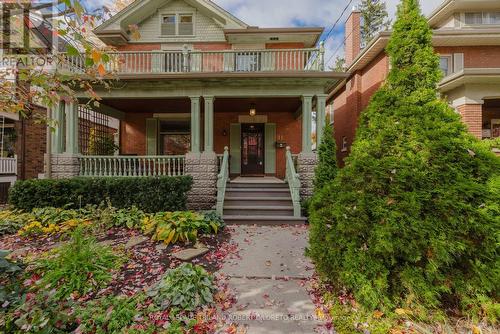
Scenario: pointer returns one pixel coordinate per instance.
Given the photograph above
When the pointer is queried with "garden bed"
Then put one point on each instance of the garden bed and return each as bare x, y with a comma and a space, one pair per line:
144, 263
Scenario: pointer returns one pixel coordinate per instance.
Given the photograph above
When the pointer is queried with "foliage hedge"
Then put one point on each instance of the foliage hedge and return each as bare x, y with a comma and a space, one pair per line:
412, 219
150, 194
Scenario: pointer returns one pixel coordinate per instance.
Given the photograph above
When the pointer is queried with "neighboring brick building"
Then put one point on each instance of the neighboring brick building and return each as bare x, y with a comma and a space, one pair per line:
467, 37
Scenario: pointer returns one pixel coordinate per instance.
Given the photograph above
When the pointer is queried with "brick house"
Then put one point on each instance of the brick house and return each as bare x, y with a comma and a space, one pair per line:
467, 38
204, 94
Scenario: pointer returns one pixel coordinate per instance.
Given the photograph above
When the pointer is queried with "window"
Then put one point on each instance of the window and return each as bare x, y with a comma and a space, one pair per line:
445, 64
344, 144
479, 18
175, 137
177, 25
330, 112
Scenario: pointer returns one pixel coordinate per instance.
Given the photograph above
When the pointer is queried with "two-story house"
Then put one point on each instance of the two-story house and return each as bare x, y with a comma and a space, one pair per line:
467, 38
205, 94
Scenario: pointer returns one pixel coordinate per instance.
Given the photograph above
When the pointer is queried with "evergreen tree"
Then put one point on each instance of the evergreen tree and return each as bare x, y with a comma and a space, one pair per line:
327, 166
375, 18
413, 217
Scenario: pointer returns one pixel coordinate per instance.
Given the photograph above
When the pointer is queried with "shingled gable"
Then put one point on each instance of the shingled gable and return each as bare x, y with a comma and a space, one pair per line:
115, 30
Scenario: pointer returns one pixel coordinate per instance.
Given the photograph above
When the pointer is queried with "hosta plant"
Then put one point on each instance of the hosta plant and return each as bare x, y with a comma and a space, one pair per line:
186, 287
12, 220
172, 227
79, 267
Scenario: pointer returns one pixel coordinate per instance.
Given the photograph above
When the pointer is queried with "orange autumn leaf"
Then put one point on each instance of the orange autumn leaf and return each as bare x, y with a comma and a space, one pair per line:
101, 70
377, 314
96, 56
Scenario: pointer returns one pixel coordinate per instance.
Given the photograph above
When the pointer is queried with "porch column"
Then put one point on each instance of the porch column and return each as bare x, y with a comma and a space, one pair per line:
57, 135
72, 128
320, 117
306, 123
195, 124
209, 124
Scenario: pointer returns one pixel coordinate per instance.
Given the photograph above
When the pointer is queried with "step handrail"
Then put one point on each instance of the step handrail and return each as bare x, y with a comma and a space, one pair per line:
222, 181
293, 180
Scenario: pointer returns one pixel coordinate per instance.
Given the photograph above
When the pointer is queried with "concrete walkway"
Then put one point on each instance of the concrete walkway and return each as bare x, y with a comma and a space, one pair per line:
270, 280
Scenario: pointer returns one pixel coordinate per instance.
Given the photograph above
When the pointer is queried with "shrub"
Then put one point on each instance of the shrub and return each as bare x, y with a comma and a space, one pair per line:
408, 220
187, 287
150, 194
12, 220
171, 227
111, 314
327, 165
81, 266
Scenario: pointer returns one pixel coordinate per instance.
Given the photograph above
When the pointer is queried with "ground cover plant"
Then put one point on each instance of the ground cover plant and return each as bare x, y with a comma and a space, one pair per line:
411, 221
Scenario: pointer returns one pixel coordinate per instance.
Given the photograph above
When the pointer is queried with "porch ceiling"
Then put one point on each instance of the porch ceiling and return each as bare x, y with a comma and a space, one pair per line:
263, 105
150, 105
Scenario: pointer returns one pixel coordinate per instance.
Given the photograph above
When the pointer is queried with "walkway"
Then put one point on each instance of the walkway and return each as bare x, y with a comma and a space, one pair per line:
270, 280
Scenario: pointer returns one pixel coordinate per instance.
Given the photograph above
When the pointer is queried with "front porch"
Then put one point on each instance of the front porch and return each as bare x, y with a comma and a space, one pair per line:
214, 130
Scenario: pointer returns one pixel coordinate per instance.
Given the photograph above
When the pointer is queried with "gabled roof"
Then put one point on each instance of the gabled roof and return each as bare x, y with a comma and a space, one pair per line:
139, 10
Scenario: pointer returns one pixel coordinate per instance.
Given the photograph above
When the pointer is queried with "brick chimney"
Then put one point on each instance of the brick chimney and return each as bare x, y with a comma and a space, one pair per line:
352, 36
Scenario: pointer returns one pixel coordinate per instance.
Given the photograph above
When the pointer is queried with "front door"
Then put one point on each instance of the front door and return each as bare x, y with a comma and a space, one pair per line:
252, 149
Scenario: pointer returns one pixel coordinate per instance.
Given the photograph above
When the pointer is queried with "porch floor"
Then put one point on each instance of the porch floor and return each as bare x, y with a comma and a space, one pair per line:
256, 179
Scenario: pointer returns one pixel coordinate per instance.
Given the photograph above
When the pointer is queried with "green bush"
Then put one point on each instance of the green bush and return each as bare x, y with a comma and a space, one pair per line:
12, 221
186, 226
410, 219
81, 266
150, 194
187, 287
327, 165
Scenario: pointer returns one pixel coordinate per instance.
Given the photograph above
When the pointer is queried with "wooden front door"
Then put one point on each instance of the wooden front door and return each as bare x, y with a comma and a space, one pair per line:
252, 149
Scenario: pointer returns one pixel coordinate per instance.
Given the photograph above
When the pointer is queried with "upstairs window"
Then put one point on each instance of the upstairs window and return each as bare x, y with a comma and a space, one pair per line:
445, 64
482, 18
177, 25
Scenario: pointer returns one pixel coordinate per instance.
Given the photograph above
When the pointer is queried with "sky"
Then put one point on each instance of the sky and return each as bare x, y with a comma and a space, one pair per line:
291, 13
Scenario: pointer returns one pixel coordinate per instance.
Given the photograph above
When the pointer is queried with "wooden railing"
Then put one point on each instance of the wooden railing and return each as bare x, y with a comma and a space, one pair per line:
116, 166
222, 179
8, 166
153, 62
293, 180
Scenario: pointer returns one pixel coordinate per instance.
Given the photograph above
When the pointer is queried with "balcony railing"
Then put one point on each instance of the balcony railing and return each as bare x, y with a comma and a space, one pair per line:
226, 61
8, 166
122, 166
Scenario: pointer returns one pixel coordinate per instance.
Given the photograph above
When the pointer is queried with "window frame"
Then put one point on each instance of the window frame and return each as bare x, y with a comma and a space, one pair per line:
485, 19
450, 63
345, 144
177, 21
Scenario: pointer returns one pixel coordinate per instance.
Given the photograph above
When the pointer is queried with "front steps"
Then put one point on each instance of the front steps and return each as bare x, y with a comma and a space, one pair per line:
259, 203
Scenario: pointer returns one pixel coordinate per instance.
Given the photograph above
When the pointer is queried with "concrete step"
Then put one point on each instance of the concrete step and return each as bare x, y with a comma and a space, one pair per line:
257, 192
258, 210
246, 185
263, 220
259, 200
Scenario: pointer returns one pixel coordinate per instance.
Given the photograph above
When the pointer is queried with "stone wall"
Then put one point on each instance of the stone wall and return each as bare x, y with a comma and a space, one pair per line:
65, 166
203, 169
306, 164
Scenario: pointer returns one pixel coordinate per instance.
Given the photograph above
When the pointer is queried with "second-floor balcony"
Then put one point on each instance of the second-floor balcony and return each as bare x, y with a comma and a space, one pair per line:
226, 61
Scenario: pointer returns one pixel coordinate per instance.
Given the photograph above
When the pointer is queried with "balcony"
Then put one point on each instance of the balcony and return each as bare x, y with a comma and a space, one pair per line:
226, 61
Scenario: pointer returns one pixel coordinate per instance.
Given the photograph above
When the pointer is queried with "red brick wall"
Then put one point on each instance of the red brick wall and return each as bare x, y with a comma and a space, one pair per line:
133, 133
30, 147
211, 46
284, 45
287, 127
475, 56
472, 116
352, 37
139, 47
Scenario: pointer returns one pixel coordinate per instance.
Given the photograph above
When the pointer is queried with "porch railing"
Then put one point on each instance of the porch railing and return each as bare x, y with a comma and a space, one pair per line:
116, 166
293, 180
222, 181
8, 166
153, 62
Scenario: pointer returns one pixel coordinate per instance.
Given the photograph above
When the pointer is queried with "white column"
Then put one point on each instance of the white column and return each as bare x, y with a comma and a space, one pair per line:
209, 124
57, 133
72, 128
195, 124
306, 123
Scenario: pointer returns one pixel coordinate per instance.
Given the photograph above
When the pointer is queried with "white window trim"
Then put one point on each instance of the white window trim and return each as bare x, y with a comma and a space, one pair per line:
345, 144
177, 20
482, 25
450, 63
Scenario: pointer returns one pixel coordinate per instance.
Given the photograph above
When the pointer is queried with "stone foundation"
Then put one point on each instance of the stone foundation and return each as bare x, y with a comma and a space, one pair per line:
203, 169
306, 163
65, 166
